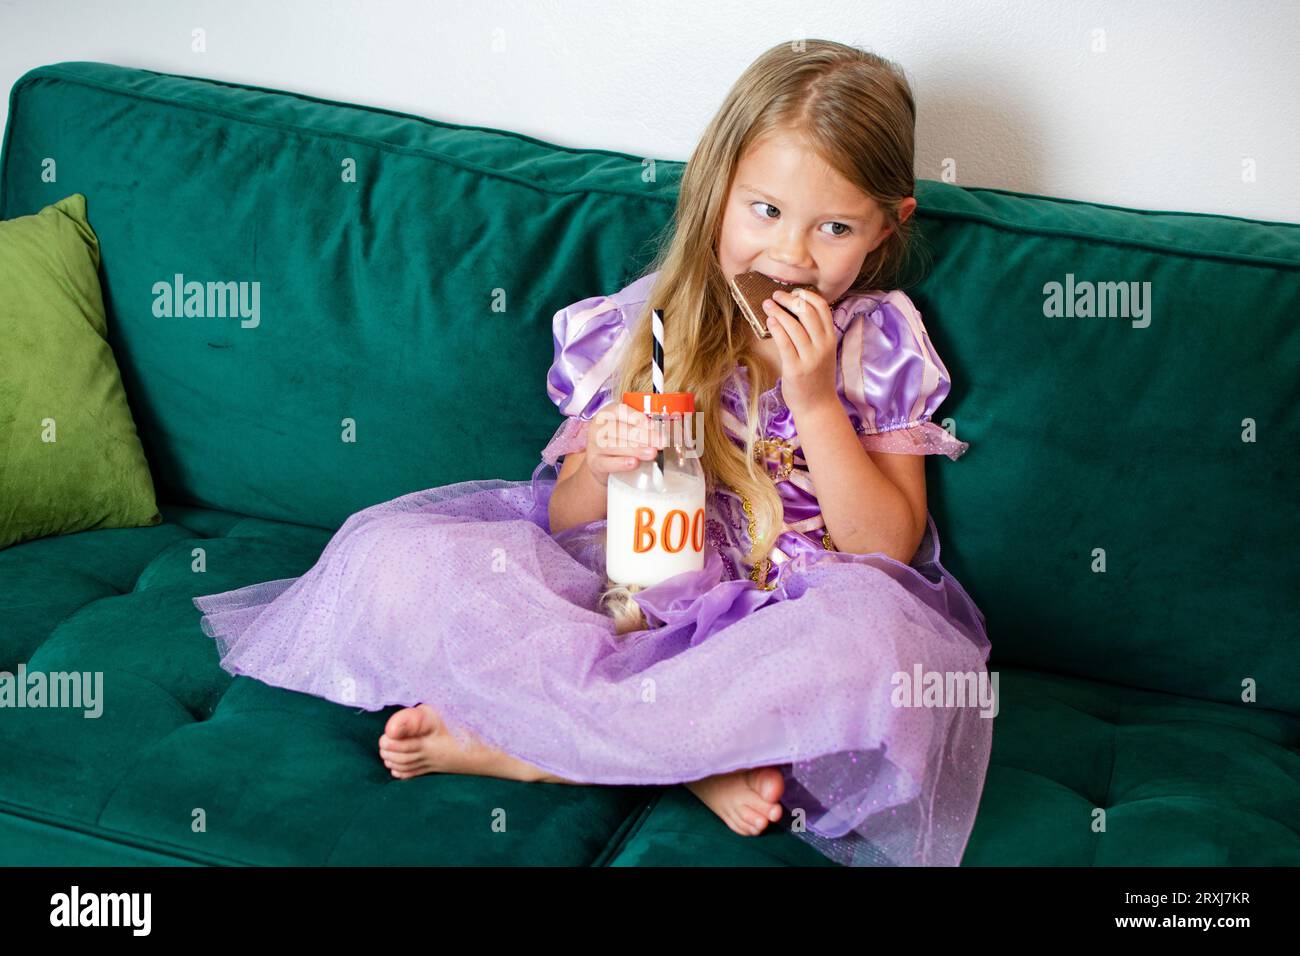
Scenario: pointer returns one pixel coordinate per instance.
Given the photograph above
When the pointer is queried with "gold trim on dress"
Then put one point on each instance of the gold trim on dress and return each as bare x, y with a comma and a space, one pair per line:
775, 450
758, 573
779, 451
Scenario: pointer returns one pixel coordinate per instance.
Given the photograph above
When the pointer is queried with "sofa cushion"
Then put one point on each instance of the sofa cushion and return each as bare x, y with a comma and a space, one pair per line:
1184, 782
1126, 510
278, 777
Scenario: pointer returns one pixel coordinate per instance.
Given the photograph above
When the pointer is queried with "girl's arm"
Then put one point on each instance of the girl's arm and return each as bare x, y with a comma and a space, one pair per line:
870, 501
578, 497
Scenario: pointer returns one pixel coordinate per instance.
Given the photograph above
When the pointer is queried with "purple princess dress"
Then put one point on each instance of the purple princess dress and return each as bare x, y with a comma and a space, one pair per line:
862, 679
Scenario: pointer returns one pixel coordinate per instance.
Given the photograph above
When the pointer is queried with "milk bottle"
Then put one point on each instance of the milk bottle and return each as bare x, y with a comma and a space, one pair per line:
655, 517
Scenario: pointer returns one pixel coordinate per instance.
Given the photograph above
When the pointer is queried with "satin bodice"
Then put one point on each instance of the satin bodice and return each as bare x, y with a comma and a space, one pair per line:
888, 376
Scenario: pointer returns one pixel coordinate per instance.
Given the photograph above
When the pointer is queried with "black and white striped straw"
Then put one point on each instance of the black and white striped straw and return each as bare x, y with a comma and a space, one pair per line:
657, 365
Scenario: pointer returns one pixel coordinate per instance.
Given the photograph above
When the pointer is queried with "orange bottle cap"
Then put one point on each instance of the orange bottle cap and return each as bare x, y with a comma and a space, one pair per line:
664, 403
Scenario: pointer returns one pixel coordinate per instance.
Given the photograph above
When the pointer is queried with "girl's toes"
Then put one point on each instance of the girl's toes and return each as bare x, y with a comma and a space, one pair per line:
766, 782
758, 814
399, 745
412, 769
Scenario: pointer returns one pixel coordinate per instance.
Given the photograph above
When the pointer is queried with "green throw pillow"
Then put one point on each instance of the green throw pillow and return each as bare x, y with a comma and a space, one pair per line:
70, 458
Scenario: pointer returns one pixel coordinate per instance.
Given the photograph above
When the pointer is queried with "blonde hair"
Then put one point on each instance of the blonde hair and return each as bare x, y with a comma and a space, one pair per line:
855, 111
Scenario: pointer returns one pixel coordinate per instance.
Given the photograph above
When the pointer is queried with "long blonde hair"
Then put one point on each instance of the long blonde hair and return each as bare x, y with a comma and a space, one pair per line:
855, 110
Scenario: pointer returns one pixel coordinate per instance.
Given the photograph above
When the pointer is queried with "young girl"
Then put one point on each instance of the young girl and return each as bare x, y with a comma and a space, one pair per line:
770, 680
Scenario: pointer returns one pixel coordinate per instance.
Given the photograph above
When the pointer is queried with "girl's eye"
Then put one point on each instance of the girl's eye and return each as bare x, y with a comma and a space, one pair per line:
837, 235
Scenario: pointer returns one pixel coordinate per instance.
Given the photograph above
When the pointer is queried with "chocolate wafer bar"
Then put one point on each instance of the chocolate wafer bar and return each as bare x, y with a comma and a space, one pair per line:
749, 289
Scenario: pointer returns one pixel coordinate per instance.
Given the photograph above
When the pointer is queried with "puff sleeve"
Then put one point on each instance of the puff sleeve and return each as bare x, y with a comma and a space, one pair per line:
589, 339
893, 379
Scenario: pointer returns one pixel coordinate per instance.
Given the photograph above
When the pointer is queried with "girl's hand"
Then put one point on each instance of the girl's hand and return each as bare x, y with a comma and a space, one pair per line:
807, 345
619, 439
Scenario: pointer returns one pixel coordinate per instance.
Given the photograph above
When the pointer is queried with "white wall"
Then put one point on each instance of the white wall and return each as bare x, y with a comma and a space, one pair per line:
1015, 93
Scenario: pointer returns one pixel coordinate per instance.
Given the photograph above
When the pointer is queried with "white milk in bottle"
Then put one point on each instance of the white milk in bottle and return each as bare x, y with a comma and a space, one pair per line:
655, 518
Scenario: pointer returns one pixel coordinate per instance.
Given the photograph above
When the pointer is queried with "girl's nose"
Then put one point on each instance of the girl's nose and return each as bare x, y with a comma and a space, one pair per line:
789, 253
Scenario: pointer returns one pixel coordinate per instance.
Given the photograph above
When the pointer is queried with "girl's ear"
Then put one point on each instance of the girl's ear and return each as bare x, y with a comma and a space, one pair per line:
906, 208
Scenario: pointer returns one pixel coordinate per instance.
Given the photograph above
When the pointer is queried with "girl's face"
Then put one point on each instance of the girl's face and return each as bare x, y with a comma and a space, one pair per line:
792, 217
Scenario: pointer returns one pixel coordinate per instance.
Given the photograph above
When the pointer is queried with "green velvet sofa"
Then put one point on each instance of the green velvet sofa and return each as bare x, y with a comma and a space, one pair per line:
1125, 517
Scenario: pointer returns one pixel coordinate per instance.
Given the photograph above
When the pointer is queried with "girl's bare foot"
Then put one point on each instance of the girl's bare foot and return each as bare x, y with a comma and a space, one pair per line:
416, 741
745, 799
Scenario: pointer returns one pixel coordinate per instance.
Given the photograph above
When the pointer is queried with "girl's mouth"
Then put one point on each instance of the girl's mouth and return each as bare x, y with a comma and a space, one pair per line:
785, 281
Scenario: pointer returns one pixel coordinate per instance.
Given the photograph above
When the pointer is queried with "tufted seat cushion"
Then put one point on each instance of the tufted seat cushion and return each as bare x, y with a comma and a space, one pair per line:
1184, 782
188, 764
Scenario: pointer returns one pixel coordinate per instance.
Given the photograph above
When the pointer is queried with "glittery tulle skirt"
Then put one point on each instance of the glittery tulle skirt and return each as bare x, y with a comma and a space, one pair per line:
862, 679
